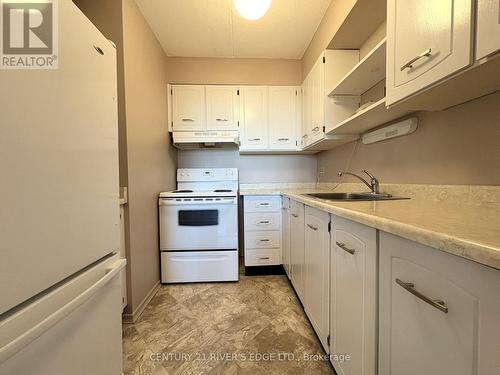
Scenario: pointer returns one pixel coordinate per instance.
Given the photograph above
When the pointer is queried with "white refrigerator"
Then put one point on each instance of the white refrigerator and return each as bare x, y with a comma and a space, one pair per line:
60, 293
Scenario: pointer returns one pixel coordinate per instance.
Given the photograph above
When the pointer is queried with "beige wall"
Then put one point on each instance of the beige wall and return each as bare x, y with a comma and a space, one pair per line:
333, 18
200, 70
151, 160
254, 168
458, 146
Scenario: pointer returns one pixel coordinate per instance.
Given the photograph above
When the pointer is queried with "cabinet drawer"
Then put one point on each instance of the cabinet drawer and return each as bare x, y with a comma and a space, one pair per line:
262, 221
262, 240
262, 257
262, 204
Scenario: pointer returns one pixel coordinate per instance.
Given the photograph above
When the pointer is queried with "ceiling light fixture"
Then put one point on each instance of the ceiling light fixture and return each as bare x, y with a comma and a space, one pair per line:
252, 9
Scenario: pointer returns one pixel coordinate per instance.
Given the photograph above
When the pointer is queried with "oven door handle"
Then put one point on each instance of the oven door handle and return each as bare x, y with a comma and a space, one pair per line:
165, 202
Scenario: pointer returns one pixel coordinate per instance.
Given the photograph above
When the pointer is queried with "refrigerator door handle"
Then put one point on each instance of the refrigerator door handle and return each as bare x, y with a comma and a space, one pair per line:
37, 330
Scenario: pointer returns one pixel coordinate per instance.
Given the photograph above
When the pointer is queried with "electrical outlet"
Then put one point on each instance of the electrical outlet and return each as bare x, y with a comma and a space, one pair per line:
322, 171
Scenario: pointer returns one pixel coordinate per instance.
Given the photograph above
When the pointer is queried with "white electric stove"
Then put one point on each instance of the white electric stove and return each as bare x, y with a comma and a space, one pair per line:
199, 226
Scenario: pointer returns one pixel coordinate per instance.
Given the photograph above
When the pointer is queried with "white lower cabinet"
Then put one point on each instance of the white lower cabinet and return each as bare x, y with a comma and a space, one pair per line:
353, 298
297, 269
285, 243
317, 272
263, 234
439, 314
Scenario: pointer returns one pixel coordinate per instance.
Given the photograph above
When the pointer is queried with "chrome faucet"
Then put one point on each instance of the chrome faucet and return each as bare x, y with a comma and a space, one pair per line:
373, 184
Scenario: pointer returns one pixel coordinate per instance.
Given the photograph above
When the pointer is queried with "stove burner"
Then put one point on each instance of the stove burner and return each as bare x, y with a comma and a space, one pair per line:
222, 191
182, 191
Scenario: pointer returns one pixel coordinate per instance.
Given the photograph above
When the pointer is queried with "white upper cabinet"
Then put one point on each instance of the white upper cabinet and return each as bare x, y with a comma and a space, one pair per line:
317, 98
188, 107
253, 114
426, 42
282, 117
222, 107
317, 272
487, 28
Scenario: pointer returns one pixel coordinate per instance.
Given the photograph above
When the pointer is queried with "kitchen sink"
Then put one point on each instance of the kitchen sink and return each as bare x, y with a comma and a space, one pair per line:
354, 196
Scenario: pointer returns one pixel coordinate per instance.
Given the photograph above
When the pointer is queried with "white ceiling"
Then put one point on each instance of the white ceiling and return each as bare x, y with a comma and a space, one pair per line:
213, 28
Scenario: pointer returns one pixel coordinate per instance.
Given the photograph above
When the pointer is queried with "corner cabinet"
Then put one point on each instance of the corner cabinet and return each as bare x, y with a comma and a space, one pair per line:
353, 298
438, 312
426, 42
317, 272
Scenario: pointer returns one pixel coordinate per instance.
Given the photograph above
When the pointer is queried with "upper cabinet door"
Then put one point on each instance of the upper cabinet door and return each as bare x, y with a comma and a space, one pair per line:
317, 100
254, 134
426, 42
282, 117
488, 28
222, 107
188, 107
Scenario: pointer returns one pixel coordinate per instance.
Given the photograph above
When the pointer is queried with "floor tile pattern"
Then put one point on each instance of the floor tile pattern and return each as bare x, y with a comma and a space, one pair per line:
255, 326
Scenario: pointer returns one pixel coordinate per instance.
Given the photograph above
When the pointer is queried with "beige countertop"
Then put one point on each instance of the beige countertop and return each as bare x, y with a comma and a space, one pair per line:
469, 231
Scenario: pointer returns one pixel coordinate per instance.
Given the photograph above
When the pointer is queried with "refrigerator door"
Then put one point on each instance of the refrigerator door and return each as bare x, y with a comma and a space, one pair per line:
59, 190
73, 329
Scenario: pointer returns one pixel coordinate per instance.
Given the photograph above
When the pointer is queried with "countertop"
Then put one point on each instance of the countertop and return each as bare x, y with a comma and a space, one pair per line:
469, 231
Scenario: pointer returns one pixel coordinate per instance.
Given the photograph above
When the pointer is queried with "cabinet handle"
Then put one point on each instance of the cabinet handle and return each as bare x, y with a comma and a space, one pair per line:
316, 129
264, 222
345, 248
305, 136
221, 119
264, 240
437, 303
99, 50
188, 119
265, 258
295, 215
409, 64
312, 227
263, 204
283, 139
253, 139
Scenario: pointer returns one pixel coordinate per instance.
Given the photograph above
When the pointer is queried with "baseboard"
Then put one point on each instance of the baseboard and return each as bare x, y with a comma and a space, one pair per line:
264, 270
132, 318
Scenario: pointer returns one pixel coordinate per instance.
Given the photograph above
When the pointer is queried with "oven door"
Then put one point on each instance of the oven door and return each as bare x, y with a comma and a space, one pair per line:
198, 224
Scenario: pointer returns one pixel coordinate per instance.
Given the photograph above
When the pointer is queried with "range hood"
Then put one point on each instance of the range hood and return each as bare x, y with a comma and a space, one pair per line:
205, 139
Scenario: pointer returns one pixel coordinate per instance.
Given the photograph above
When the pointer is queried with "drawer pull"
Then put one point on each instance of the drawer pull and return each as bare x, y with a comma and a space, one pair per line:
295, 215
345, 248
253, 139
264, 240
221, 119
263, 204
188, 120
409, 64
312, 227
264, 222
437, 303
264, 258
283, 139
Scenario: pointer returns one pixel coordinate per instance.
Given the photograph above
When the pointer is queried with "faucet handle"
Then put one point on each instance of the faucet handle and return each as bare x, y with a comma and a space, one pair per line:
370, 175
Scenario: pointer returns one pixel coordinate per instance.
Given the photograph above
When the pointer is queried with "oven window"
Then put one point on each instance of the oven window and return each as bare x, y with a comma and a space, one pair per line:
198, 218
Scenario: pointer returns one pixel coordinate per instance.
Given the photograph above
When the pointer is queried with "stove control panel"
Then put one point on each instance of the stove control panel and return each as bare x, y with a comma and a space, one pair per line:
207, 174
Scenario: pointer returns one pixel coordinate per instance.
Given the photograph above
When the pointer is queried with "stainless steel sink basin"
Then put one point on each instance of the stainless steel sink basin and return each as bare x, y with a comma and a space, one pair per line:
354, 196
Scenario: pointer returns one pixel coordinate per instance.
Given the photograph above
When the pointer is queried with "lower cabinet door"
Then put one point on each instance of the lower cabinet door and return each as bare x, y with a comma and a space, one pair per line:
297, 269
438, 312
285, 242
354, 297
317, 251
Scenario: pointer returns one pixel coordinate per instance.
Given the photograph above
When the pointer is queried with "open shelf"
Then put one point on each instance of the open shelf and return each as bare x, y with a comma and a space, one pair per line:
368, 118
330, 141
361, 22
364, 75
